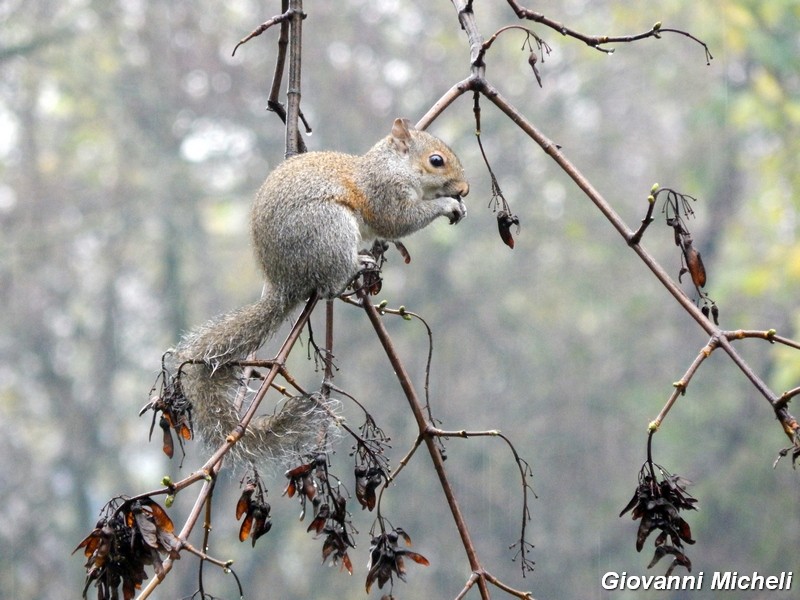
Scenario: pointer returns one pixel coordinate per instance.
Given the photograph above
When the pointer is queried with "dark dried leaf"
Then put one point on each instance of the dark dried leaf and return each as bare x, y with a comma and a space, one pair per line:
309, 488
658, 505
247, 525
329, 546
695, 265
335, 547
381, 571
402, 533
661, 539
129, 588
300, 471
159, 515
318, 523
175, 411
646, 526
660, 552
634, 501
184, 430
243, 505
386, 560
167, 445
676, 230
169, 543
146, 528
322, 513
417, 558
684, 531
681, 560
130, 536
399, 566
504, 223
347, 564
301, 479
367, 482
261, 525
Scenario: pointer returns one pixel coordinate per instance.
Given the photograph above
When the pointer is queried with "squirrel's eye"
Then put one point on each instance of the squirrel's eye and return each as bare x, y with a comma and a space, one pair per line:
436, 160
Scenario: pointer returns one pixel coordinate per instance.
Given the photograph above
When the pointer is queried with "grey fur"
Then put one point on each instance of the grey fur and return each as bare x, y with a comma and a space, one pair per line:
309, 220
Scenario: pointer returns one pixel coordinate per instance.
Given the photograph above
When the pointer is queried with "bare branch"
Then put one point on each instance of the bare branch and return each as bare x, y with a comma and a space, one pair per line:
433, 450
598, 41
295, 64
681, 385
262, 28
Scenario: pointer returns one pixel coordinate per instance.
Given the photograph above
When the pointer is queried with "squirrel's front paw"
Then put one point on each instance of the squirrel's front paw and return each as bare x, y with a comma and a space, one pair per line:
458, 211
367, 262
370, 270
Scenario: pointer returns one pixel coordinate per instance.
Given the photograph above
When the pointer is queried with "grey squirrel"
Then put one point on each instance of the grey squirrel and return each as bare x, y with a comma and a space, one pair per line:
309, 220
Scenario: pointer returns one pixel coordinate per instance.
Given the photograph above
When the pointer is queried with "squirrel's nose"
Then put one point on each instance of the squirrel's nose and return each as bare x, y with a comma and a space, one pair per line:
464, 190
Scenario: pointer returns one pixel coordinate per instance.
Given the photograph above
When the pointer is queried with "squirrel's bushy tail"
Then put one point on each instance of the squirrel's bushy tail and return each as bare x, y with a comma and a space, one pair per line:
213, 385
236, 334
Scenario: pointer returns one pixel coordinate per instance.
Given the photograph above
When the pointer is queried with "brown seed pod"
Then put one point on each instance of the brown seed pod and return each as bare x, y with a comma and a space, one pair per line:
695, 265
504, 223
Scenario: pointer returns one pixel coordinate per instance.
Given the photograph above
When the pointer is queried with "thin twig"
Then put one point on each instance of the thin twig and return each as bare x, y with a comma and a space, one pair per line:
636, 237
262, 28
509, 590
273, 102
597, 41
433, 449
681, 385
403, 462
524, 471
407, 314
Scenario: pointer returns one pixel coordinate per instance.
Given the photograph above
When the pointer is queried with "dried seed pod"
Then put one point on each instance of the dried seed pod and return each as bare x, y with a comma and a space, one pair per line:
504, 223
695, 265
532, 62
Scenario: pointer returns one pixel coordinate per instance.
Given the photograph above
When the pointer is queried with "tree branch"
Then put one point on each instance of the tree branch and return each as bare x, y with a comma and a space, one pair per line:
422, 425
295, 64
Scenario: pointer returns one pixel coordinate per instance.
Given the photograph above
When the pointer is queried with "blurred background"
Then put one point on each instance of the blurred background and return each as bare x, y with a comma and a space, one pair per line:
131, 144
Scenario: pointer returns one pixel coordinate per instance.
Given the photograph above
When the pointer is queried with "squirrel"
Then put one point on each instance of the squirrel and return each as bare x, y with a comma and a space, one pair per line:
310, 218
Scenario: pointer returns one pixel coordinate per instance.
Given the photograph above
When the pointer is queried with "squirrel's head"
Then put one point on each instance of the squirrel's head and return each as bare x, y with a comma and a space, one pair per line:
440, 170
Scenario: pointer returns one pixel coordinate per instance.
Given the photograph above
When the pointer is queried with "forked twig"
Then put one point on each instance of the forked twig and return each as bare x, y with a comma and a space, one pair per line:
422, 425
598, 41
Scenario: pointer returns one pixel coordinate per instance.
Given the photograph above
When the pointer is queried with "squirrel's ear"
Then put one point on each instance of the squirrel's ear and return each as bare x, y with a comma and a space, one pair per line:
401, 134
